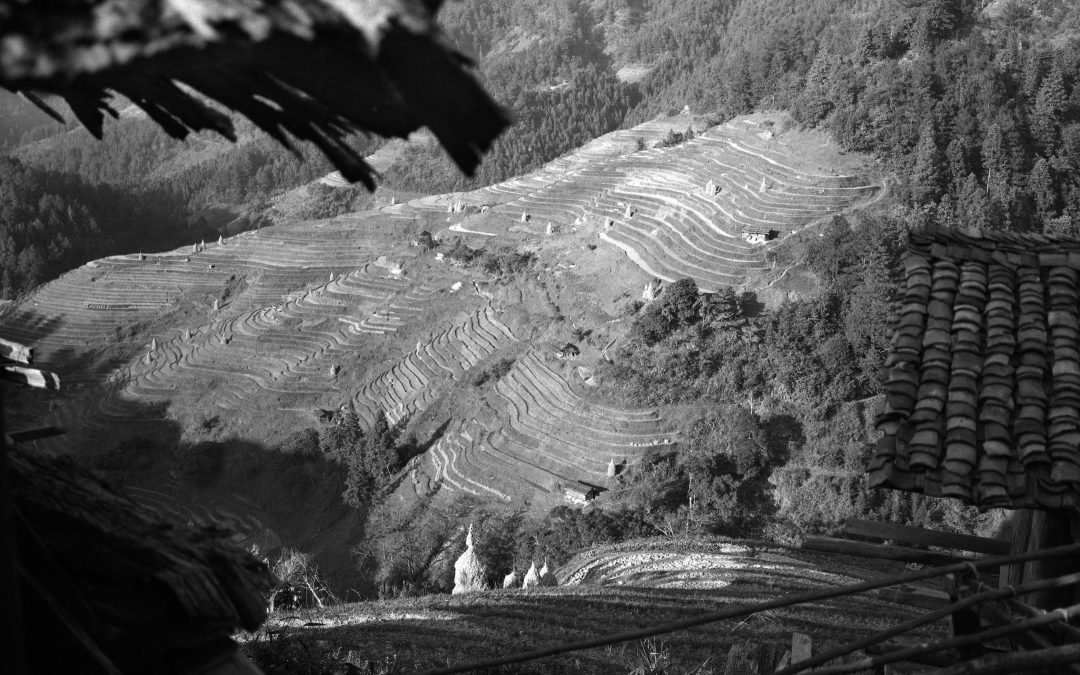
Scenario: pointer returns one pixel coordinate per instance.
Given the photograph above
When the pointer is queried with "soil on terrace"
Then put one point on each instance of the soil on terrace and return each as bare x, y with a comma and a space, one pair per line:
240, 342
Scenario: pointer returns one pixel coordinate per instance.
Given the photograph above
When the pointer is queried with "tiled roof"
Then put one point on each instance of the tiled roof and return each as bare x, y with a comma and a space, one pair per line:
982, 382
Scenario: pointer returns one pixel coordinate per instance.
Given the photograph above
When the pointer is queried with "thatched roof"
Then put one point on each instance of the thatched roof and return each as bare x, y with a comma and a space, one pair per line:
983, 376
109, 586
316, 70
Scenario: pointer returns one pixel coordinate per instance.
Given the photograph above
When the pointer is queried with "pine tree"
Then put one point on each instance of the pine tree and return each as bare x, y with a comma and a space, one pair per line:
1043, 191
1046, 114
958, 159
927, 178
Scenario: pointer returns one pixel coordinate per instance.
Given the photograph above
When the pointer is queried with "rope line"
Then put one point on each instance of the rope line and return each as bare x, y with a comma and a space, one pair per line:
743, 610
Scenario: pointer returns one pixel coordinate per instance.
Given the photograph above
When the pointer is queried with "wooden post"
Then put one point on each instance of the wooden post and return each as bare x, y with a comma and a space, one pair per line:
1012, 575
1034, 569
11, 625
1057, 528
801, 647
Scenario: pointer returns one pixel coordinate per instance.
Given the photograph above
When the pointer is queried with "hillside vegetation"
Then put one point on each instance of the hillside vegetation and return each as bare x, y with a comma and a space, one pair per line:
661, 307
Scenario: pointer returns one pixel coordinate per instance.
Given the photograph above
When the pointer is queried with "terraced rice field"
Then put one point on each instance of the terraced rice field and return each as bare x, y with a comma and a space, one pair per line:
246, 529
619, 588
654, 206
263, 317
540, 436
413, 383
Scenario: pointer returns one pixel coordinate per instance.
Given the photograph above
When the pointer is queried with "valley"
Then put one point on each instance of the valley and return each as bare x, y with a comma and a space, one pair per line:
245, 339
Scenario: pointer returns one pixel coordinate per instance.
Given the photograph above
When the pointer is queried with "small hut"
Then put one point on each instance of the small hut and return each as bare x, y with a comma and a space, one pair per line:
580, 493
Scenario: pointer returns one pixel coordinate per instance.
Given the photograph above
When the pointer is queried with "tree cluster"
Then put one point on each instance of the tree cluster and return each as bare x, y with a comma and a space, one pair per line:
370, 457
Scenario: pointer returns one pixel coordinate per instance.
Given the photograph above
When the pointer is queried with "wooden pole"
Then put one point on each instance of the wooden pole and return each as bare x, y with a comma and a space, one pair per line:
11, 622
868, 550
987, 595
1062, 614
1043, 660
918, 535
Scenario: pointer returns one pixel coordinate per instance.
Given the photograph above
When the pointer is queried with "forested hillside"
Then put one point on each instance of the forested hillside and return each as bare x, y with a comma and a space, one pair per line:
974, 110
51, 221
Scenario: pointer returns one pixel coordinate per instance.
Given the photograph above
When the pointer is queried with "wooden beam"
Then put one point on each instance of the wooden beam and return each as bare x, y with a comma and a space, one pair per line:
32, 377
14, 351
922, 536
867, 550
938, 660
27, 435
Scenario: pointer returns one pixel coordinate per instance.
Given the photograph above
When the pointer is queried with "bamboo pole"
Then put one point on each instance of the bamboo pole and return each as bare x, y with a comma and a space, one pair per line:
923, 619
1031, 641
1064, 630
744, 610
1062, 614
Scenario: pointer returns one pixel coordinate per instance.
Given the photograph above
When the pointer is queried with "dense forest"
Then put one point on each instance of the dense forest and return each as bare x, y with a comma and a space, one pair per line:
52, 221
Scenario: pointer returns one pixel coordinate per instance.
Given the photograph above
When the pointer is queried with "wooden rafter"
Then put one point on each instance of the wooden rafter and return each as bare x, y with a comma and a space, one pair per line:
314, 70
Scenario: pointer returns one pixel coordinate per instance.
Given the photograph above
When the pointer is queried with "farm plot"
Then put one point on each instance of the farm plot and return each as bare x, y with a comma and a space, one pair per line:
559, 436
414, 382
700, 209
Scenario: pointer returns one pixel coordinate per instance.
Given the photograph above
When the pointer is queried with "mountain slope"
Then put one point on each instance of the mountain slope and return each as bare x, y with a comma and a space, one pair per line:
237, 343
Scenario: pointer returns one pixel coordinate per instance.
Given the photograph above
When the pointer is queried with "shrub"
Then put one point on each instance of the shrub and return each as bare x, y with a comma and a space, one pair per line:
301, 443
493, 372
674, 138
676, 308
505, 262
299, 583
